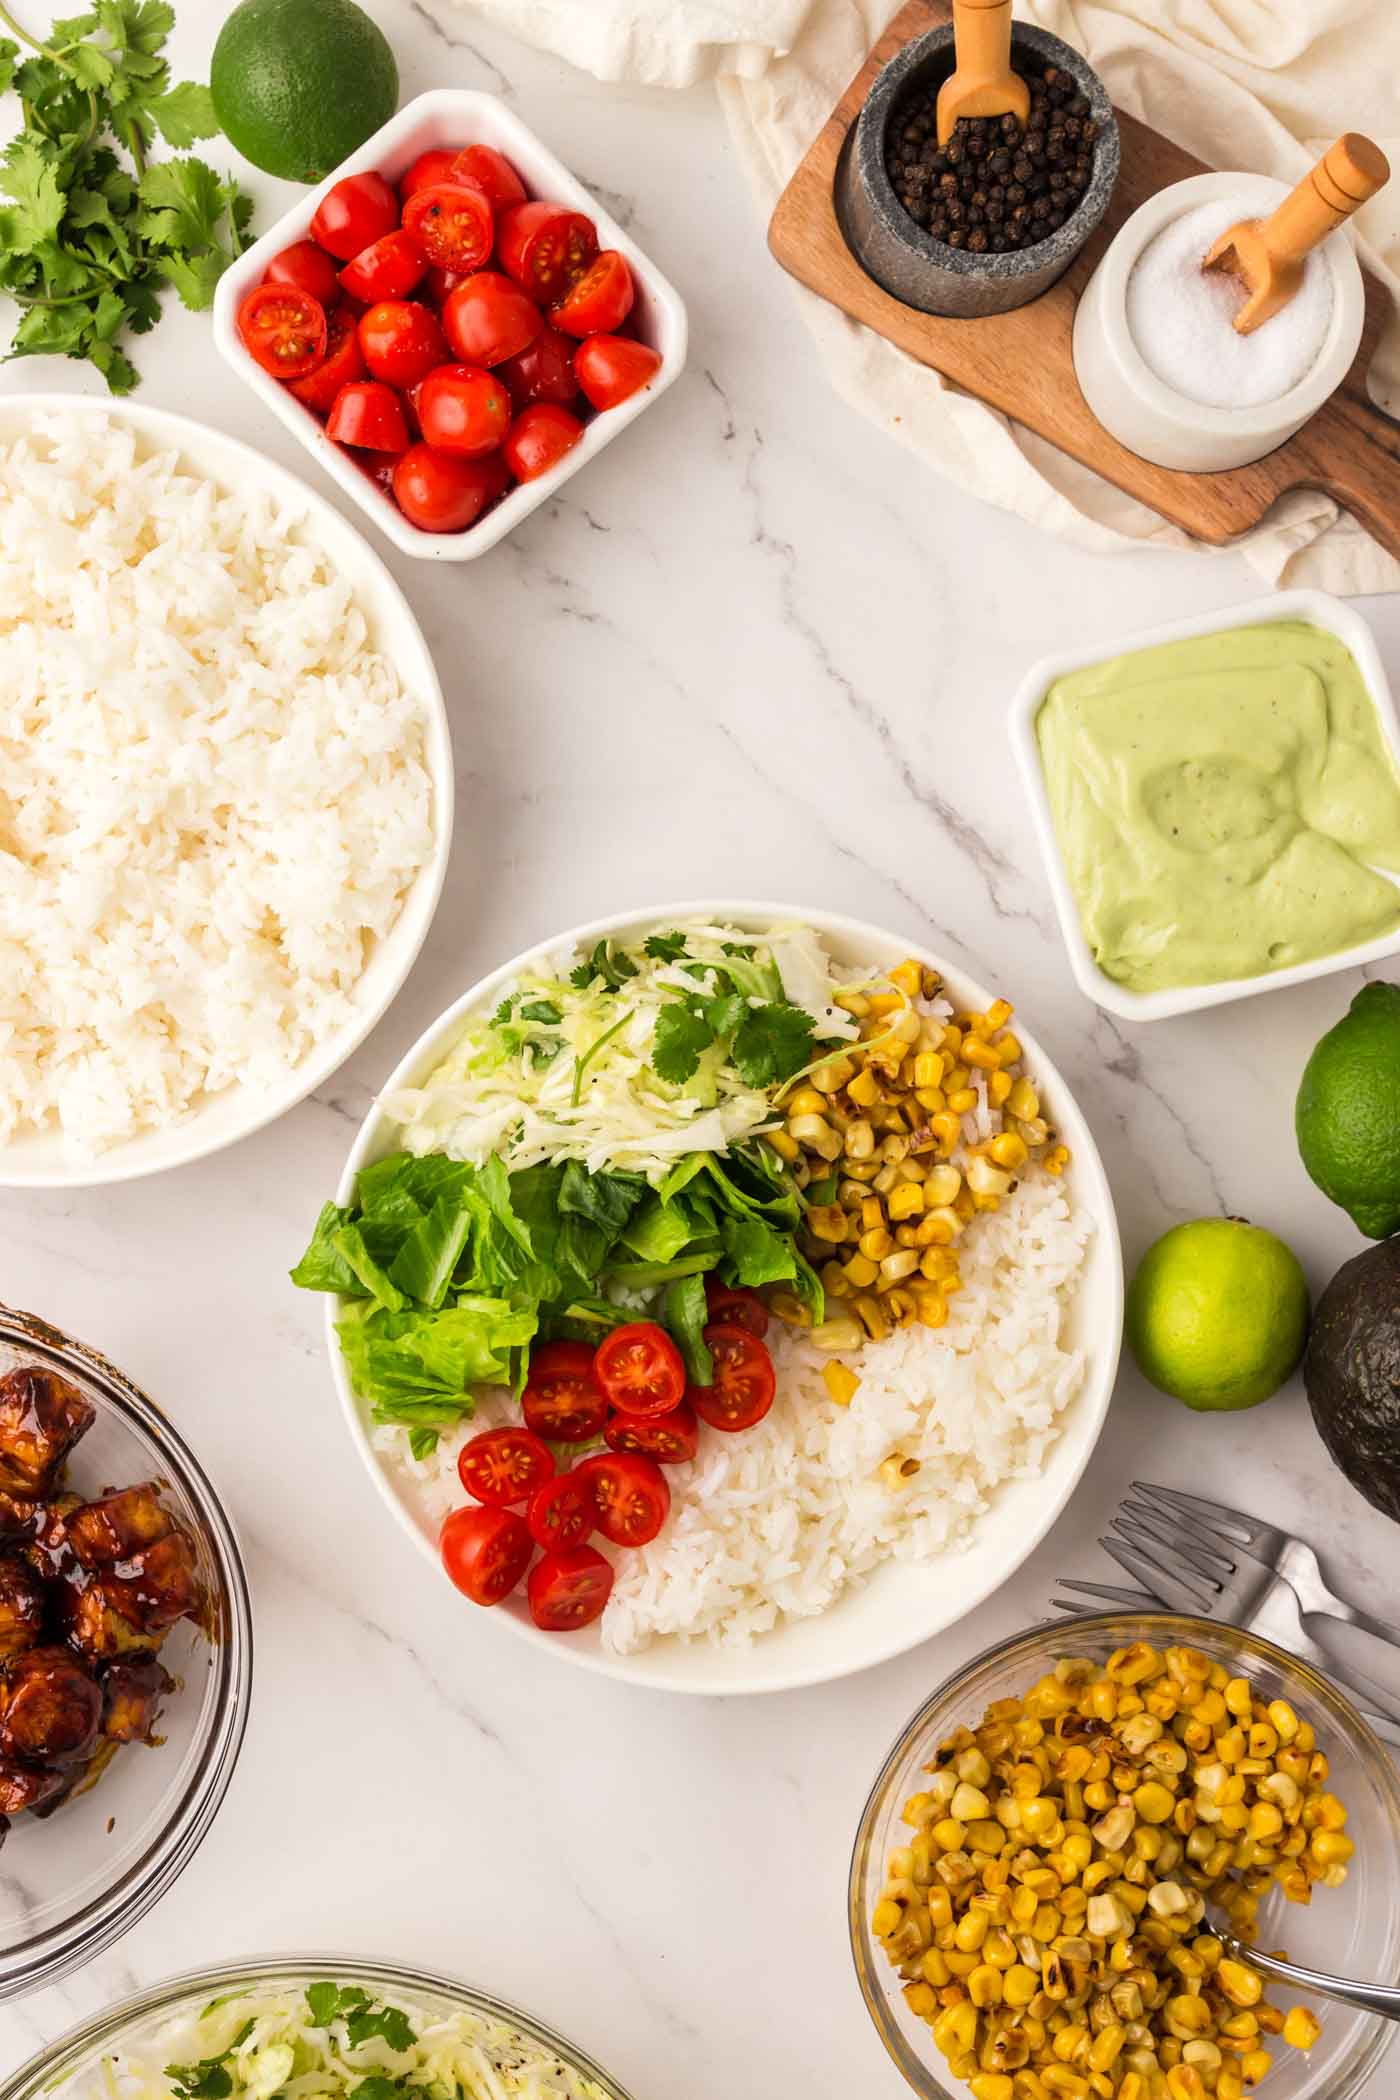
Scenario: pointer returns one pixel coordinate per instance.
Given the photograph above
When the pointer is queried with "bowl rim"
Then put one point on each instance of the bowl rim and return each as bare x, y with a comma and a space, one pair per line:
409, 931
49, 1955
1317, 609
708, 1676
1116, 1629
55, 2062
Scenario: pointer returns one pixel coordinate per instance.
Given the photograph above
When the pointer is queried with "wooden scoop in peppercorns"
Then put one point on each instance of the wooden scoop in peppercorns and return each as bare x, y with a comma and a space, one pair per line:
981, 83
998, 184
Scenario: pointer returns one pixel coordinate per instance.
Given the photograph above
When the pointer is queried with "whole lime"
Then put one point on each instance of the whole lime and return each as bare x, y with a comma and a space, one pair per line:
1348, 1111
1217, 1313
299, 84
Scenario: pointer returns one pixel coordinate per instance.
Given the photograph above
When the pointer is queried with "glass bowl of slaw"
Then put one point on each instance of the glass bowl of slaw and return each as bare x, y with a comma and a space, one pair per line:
242, 2012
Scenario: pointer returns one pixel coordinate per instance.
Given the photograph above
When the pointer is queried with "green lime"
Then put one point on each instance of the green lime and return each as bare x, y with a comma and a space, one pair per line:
299, 84
1217, 1313
1348, 1112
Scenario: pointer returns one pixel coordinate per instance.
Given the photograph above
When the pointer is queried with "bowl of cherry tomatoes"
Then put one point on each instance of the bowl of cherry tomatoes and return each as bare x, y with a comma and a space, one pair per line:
451, 325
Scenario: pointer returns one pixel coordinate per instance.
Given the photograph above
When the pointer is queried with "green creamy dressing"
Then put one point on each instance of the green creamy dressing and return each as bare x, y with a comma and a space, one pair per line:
1222, 805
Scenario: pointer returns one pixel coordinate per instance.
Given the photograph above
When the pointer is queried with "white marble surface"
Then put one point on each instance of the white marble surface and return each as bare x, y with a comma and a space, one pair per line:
756, 649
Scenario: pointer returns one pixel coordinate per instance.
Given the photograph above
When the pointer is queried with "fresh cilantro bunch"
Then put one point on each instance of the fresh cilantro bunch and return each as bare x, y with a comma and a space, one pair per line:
86, 241
769, 1043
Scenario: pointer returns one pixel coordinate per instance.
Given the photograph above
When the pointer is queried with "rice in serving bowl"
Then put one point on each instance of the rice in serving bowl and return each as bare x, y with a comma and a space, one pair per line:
215, 794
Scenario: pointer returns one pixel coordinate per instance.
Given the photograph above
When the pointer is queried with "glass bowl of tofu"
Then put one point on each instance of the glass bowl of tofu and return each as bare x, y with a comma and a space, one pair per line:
125, 1653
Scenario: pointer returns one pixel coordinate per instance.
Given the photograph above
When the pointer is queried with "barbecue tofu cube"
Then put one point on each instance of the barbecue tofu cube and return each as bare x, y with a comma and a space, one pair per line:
50, 1708
42, 1417
132, 1691
117, 1526
21, 1606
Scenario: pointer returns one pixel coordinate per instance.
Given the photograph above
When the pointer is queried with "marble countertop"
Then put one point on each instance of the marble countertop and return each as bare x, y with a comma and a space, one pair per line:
756, 648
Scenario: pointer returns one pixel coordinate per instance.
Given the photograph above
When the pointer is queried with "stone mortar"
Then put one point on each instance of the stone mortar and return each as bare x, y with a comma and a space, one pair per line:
928, 274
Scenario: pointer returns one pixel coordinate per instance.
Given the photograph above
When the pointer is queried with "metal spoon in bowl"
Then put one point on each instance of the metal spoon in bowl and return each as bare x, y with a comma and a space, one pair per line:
1382, 1998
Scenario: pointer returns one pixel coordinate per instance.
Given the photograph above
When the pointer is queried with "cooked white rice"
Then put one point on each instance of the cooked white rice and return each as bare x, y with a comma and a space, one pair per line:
779, 1519
213, 795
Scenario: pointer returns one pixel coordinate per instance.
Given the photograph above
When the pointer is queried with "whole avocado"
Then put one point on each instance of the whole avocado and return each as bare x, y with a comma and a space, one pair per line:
1352, 1373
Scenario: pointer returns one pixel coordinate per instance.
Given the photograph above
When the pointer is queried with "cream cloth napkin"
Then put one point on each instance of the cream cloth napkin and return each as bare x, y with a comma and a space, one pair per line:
1258, 84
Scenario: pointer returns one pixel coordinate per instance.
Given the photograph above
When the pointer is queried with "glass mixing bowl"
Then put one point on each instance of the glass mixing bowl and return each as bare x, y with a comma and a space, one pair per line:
1350, 1931
72, 1883
125, 2026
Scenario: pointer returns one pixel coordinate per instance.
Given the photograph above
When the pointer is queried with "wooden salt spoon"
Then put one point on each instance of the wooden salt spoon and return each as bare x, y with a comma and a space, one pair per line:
981, 83
1268, 254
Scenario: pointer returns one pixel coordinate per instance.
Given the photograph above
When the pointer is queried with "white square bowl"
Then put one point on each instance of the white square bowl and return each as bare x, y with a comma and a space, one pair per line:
454, 117
1319, 610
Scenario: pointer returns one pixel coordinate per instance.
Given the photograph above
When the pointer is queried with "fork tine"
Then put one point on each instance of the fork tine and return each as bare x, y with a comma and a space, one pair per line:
1160, 1582
1179, 1533
1130, 1600
1215, 1516
1170, 1560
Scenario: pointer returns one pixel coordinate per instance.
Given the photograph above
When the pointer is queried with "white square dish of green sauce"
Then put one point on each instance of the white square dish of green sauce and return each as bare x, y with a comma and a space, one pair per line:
1218, 804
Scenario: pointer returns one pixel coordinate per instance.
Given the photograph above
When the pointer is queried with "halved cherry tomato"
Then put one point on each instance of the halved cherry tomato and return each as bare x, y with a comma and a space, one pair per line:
402, 341
538, 439
545, 247
631, 1500
561, 1512
492, 172
544, 372
669, 1439
601, 299
343, 363
357, 210
611, 368
450, 224
369, 414
640, 1369
488, 318
307, 265
284, 329
731, 1306
562, 1399
462, 408
432, 166
744, 1381
389, 268
445, 492
485, 1551
568, 1590
505, 1465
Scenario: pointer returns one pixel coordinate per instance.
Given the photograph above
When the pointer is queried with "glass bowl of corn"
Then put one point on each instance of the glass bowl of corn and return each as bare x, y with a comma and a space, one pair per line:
1048, 1843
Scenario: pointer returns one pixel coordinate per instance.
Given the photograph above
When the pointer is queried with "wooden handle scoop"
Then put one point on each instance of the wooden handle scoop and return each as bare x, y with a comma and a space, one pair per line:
1268, 254
981, 83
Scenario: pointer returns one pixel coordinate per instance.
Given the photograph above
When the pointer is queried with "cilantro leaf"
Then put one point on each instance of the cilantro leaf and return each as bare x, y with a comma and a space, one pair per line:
665, 947
725, 1013
682, 1032
184, 114
183, 202
202, 2081
606, 962
391, 2025
771, 1043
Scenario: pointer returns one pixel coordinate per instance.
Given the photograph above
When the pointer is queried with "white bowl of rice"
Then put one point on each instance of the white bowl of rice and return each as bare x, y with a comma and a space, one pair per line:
225, 791
783, 1562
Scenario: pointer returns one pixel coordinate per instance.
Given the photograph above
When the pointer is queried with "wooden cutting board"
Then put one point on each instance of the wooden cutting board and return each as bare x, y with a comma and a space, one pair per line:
1021, 362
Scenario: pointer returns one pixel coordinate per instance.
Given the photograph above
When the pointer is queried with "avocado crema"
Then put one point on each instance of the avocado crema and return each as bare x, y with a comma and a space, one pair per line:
1222, 805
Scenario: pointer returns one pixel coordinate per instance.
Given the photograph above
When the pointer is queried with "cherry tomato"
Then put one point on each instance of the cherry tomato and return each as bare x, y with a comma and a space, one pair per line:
562, 1399
538, 439
568, 1590
438, 283
544, 372
388, 268
561, 1512
445, 492
355, 211
492, 172
744, 1384
462, 408
631, 1500
506, 1465
601, 299
640, 1369
450, 224
488, 318
669, 1439
308, 267
369, 414
486, 1551
342, 363
402, 341
545, 247
733, 1307
432, 166
611, 368
284, 329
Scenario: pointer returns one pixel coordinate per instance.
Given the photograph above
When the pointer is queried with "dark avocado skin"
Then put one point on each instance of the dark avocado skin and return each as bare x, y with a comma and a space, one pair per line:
1352, 1373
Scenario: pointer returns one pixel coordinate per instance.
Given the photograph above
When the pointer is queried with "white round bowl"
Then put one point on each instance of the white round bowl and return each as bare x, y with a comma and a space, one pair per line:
42, 1161
1146, 414
900, 1605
